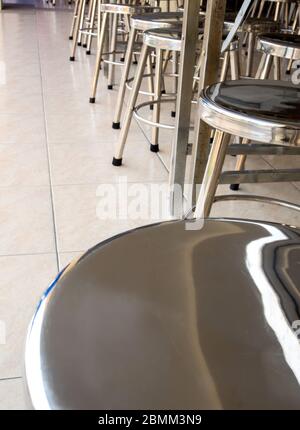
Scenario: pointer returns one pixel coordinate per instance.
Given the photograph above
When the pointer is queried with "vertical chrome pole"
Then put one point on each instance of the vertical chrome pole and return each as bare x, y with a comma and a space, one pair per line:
209, 74
183, 109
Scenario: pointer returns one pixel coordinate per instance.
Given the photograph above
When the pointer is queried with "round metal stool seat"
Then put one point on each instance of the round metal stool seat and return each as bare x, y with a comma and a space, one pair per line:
126, 9
162, 38
280, 45
156, 20
164, 317
266, 111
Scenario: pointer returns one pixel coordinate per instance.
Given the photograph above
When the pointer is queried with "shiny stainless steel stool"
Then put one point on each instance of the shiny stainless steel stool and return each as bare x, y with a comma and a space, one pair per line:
263, 111
276, 46
116, 11
139, 24
160, 40
252, 27
176, 333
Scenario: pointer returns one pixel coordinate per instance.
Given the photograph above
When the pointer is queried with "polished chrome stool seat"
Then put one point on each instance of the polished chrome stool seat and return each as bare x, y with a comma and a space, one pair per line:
164, 317
277, 46
280, 45
264, 111
267, 111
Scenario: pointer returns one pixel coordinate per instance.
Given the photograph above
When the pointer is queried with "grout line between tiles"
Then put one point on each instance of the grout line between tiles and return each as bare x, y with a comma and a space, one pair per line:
273, 167
10, 378
47, 147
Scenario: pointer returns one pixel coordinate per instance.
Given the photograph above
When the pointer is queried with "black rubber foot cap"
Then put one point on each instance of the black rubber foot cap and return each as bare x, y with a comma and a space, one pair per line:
84, 45
163, 91
92, 99
151, 107
288, 72
88, 52
134, 62
211, 139
234, 187
116, 125
122, 59
246, 53
72, 58
154, 148
109, 87
117, 161
173, 114
70, 37
79, 44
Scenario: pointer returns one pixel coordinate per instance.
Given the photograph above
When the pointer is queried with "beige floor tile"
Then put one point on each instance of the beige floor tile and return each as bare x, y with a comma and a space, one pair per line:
12, 395
23, 128
78, 224
24, 165
23, 280
21, 95
92, 163
26, 224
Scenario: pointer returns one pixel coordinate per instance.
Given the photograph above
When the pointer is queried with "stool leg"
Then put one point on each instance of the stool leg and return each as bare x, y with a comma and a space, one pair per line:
91, 27
269, 10
112, 55
234, 65
265, 72
251, 43
157, 96
76, 29
212, 174
150, 79
124, 77
117, 159
81, 24
261, 8
98, 58
75, 17
225, 67
240, 165
88, 18
276, 61
175, 79
277, 10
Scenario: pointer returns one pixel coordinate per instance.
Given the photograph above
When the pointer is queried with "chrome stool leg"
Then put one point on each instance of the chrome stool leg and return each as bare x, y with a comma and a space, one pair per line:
91, 27
117, 159
99, 57
212, 173
175, 79
88, 19
75, 18
112, 55
79, 36
249, 63
157, 96
150, 80
124, 77
76, 29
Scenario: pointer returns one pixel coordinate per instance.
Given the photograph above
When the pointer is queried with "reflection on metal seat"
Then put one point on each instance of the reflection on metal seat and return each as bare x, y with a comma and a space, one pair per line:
264, 111
172, 317
277, 46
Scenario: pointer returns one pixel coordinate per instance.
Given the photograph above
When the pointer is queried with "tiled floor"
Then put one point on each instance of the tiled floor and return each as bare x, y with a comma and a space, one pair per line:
55, 150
